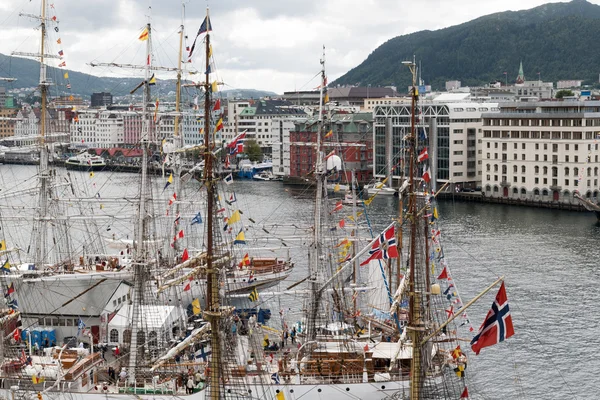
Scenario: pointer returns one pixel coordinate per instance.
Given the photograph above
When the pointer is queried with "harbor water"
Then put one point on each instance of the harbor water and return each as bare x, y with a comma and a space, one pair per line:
549, 259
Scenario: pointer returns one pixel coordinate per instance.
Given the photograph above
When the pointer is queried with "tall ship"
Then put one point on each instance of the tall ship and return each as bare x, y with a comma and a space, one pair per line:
377, 321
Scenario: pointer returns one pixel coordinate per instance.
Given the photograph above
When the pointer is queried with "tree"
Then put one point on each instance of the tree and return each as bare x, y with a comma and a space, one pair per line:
252, 150
563, 92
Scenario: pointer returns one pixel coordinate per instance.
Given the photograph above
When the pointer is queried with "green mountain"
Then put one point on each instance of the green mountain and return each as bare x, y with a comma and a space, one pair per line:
27, 73
558, 40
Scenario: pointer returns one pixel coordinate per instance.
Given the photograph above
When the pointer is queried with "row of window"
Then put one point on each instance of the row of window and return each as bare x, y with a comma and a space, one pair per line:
540, 135
537, 181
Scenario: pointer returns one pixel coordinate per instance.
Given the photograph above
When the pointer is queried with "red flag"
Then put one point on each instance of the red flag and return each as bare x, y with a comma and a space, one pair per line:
450, 312
465, 394
342, 223
188, 286
338, 206
185, 256
423, 155
17, 334
245, 261
497, 325
444, 274
366, 348
384, 247
227, 162
427, 175
180, 234
217, 106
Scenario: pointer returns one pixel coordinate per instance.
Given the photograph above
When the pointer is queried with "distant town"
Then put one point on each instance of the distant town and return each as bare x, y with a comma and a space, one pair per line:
525, 140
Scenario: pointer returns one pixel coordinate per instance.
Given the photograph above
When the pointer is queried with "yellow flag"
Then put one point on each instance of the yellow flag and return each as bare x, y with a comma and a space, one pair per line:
215, 87
369, 200
326, 98
144, 35
37, 379
235, 217
435, 213
210, 51
329, 134
2, 245
66, 75
240, 238
91, 174
336, 188
280, 396
102, 206
196, 307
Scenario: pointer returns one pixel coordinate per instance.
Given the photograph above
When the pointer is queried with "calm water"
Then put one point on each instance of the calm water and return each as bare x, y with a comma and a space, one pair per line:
550, 261
549, 258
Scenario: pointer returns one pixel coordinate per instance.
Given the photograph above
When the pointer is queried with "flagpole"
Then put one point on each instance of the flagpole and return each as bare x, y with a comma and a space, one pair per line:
462, 310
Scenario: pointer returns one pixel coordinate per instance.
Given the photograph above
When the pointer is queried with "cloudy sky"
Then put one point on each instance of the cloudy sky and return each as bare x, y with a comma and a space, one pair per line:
264, 44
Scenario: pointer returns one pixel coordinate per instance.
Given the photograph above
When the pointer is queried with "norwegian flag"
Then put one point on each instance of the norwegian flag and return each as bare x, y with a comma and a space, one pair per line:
497, 325
384, 247
237, 145
423, 155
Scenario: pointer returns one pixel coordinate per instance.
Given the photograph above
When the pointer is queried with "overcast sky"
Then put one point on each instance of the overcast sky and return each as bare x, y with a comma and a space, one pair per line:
263, 44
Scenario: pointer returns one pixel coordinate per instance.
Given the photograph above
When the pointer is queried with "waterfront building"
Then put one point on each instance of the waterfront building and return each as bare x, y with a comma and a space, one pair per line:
544, 151
256, 119
351, 140
121, 126
456, 127
281, 128
8, 122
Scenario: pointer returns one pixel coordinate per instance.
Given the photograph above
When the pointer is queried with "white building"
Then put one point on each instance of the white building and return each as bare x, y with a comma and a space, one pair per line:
27, 123
457, 123
281, 145
568, 84
542, 151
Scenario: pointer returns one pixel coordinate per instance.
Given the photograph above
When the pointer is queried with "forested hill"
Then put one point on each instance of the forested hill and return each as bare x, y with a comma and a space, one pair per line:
27, 75
558, 40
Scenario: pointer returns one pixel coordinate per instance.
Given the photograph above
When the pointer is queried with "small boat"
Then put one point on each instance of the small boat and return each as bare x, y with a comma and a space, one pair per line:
263, 176
380, 188
85, 162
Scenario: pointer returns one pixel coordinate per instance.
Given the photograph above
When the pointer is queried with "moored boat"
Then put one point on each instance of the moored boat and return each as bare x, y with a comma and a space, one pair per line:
85, 162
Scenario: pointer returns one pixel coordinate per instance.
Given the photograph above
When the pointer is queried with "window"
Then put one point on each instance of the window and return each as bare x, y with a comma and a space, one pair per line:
114, 336
523, 157
566, 182
537, 180
536, 169
545, 169
523, 169
522, 179
515, 169
523, 146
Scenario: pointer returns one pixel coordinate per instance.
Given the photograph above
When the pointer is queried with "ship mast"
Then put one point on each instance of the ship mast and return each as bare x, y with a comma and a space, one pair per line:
320, 173
212, 311
141, 252
415, 326
41, 238
177, 137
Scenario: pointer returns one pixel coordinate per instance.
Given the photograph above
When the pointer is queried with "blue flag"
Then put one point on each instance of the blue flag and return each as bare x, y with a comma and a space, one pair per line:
80, 326
197, 219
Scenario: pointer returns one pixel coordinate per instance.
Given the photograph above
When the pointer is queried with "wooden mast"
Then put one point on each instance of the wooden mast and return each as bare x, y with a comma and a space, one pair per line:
212, 311
414, 316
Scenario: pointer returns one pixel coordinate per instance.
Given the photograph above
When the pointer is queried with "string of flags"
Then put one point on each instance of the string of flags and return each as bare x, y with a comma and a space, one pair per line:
436, 258
61, 52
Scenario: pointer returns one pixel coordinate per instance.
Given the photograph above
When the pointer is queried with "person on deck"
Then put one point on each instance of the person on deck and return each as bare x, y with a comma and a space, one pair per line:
293, 335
